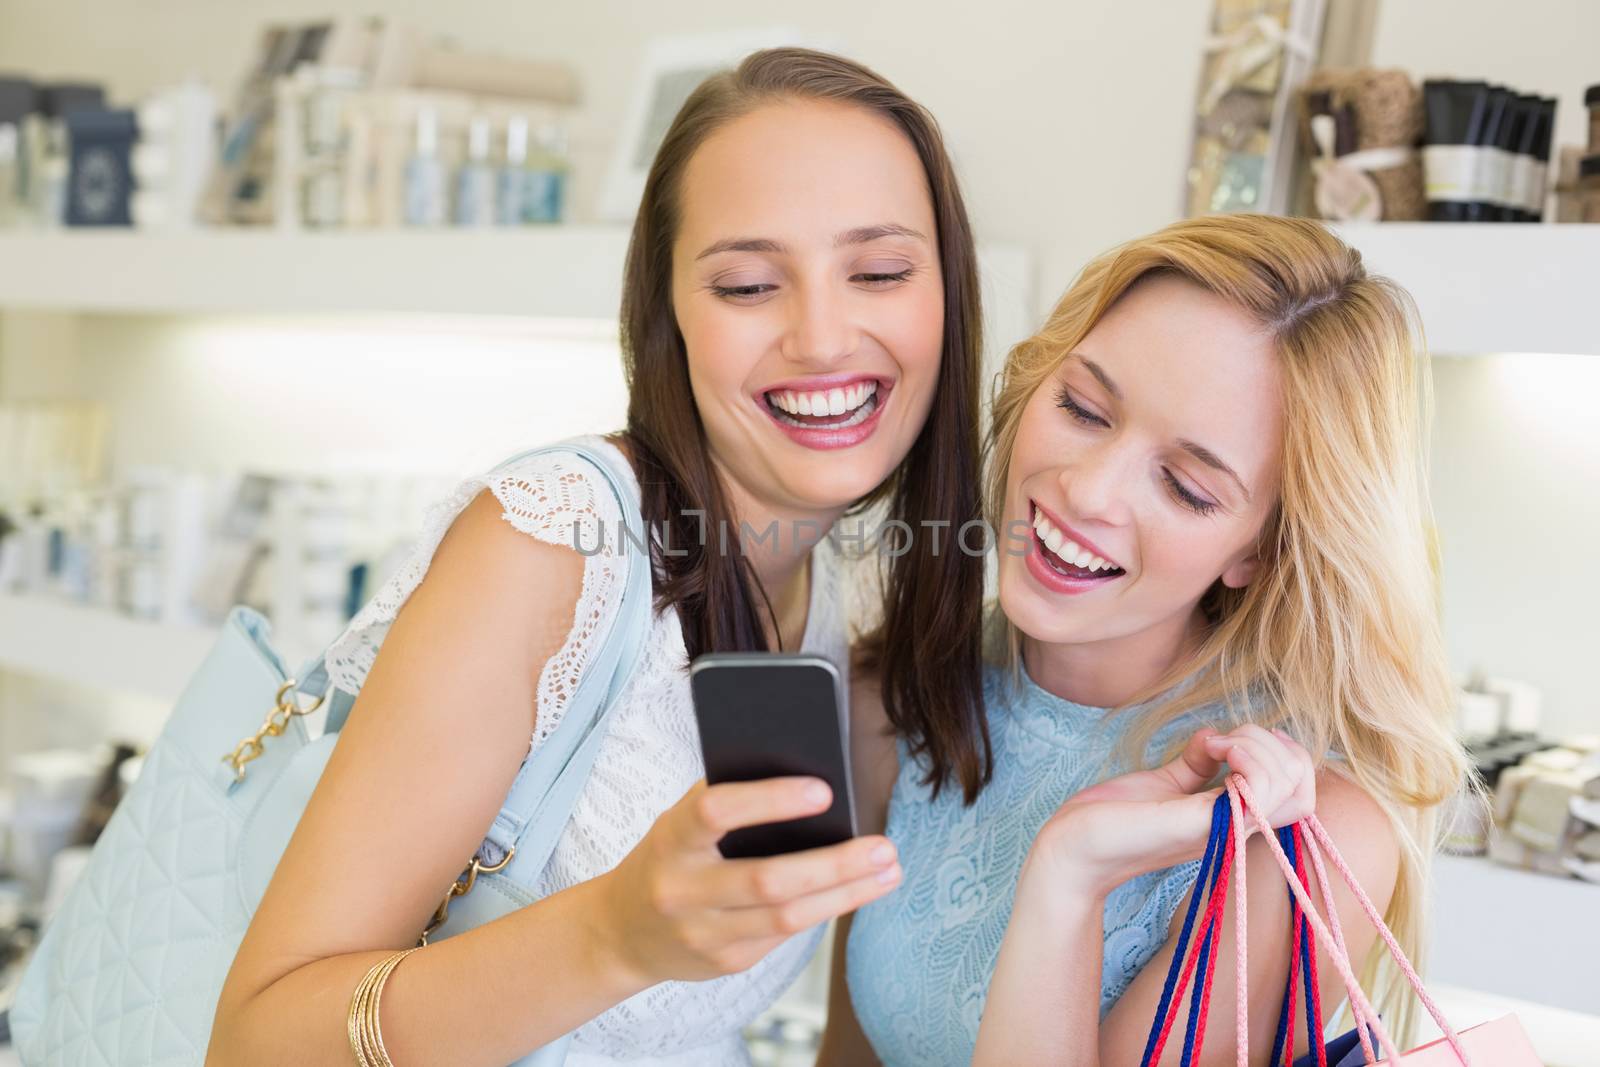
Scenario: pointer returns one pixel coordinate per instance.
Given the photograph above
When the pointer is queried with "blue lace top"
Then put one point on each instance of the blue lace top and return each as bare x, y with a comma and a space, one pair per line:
920, 959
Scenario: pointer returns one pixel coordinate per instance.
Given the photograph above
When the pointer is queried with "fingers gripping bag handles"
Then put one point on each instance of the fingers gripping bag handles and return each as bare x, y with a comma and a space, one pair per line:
130, 967
1298, 850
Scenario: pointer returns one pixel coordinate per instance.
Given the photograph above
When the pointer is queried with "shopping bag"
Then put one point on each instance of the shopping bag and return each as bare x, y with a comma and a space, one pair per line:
1298, 850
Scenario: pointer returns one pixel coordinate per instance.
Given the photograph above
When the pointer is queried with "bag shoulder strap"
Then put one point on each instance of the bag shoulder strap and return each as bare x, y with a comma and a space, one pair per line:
548, 783
546, 787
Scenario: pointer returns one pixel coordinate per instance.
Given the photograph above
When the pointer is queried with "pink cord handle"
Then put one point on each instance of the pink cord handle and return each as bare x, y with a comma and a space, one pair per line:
1360, 1006
1332, 909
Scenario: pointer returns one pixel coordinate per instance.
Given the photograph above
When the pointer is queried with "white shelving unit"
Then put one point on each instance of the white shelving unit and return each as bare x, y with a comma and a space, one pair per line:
98, 647
1480, 287
1484, 288
556, 272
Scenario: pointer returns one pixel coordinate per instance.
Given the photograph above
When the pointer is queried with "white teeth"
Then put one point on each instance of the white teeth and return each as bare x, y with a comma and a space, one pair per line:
851, 402
1065, 549
830, 403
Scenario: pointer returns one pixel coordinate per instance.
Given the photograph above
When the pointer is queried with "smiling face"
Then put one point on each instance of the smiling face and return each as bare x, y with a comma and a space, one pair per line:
806, 284
1144, 468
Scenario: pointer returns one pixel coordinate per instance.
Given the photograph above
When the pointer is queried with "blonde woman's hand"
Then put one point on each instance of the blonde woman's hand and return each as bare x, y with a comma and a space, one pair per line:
1139, 822
676, 909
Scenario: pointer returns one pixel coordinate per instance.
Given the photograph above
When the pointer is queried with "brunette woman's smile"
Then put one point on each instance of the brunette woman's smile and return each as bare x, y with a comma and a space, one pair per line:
827, 411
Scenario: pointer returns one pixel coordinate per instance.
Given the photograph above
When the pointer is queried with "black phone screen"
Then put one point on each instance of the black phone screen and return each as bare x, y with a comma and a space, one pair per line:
770, 715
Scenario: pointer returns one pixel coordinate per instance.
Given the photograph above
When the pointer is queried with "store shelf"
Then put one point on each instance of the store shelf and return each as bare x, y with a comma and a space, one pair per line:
557, 272
1488, 288
97, 647
554, 273
1515, 934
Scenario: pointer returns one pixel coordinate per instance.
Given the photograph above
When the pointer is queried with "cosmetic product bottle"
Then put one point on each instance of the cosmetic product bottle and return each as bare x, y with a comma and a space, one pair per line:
1454, 113
475, 181
49, 147
1591, 100
1543, 140
511, 181
100, 175
1489, 170
1519, 176
17, 102
425, 192
545, 191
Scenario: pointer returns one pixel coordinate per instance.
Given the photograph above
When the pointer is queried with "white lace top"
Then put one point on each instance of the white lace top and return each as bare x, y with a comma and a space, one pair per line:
647, 761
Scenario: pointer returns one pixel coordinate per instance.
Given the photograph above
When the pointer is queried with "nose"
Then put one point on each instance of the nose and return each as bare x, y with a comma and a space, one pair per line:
1098, 483
820, 332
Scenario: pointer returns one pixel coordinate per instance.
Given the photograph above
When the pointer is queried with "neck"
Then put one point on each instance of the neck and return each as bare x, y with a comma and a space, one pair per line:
777, 545
1112, 672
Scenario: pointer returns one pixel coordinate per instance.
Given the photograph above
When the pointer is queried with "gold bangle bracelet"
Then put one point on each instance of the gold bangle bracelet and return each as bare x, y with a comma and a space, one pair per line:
366, 1035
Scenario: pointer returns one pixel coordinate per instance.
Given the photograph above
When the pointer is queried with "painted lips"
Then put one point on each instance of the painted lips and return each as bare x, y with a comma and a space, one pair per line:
827, 413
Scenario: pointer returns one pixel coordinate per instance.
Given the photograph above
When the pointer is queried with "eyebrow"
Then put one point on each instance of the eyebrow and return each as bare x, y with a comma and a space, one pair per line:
1194, 448
1100, 375
859, 236
1214, 461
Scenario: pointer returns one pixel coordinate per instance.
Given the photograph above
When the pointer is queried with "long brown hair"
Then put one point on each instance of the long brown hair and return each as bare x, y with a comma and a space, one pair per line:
927, 649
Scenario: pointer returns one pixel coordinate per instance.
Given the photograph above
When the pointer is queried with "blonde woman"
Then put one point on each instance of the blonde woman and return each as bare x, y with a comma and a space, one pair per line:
1208, 485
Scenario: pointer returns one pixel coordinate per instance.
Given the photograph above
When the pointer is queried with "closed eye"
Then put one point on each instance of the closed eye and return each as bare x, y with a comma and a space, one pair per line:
1186, 497
1082, 414
882, 280
742, 292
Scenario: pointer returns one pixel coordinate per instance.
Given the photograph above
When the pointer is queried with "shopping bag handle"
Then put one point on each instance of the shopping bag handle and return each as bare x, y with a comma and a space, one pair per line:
1239, 797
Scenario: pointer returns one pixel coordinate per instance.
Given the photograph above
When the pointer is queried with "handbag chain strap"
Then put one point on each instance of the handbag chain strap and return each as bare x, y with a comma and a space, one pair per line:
284, 708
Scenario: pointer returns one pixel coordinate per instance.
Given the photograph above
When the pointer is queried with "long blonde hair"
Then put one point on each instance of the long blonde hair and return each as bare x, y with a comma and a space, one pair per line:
1338, 637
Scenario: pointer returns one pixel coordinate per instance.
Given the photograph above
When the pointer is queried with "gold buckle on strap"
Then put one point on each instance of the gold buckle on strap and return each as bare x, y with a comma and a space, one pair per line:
463, 885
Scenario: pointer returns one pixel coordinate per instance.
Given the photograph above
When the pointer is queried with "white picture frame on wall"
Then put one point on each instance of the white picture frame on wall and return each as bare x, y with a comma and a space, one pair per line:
672, 67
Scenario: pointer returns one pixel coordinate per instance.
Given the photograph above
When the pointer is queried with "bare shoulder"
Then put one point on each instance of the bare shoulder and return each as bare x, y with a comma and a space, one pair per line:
874, 756
1364, 833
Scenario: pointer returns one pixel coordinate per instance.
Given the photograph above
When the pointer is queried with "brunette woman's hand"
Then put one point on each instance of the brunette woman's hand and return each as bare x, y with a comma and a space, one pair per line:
676, 909
1139, 822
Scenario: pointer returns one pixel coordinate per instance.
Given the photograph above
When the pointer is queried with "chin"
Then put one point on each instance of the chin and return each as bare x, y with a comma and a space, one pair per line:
830, 485
1039, 616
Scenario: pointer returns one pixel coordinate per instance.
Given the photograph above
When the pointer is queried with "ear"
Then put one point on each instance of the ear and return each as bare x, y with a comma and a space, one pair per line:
1241, 572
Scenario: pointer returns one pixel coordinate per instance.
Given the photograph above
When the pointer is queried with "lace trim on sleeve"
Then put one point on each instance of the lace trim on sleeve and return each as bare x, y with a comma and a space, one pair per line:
556, 497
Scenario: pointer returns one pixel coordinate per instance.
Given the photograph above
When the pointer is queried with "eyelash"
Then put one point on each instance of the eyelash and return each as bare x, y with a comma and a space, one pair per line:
876, 279
1184, 497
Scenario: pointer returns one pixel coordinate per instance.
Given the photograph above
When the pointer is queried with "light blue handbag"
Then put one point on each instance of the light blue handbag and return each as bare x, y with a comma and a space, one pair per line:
130, 967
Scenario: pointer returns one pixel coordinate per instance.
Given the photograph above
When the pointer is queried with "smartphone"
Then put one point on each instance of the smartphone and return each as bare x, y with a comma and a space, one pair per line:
770, 715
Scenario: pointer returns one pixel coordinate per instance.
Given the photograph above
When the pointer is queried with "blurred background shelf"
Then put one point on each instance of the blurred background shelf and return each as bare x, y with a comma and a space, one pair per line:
91, 646
1491, 921
1481, 288
1492, 288
551, 272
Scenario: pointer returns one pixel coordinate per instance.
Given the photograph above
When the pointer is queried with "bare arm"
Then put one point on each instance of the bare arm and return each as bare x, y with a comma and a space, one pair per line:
1043, 1004
433, 742
436, 737
874, 764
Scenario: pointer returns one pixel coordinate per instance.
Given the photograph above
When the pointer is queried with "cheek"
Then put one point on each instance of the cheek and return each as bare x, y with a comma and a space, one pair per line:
1183, 554
721, 349
912, 330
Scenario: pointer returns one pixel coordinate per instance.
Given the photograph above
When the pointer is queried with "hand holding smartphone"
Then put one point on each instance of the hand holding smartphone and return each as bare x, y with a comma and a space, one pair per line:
770, 715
